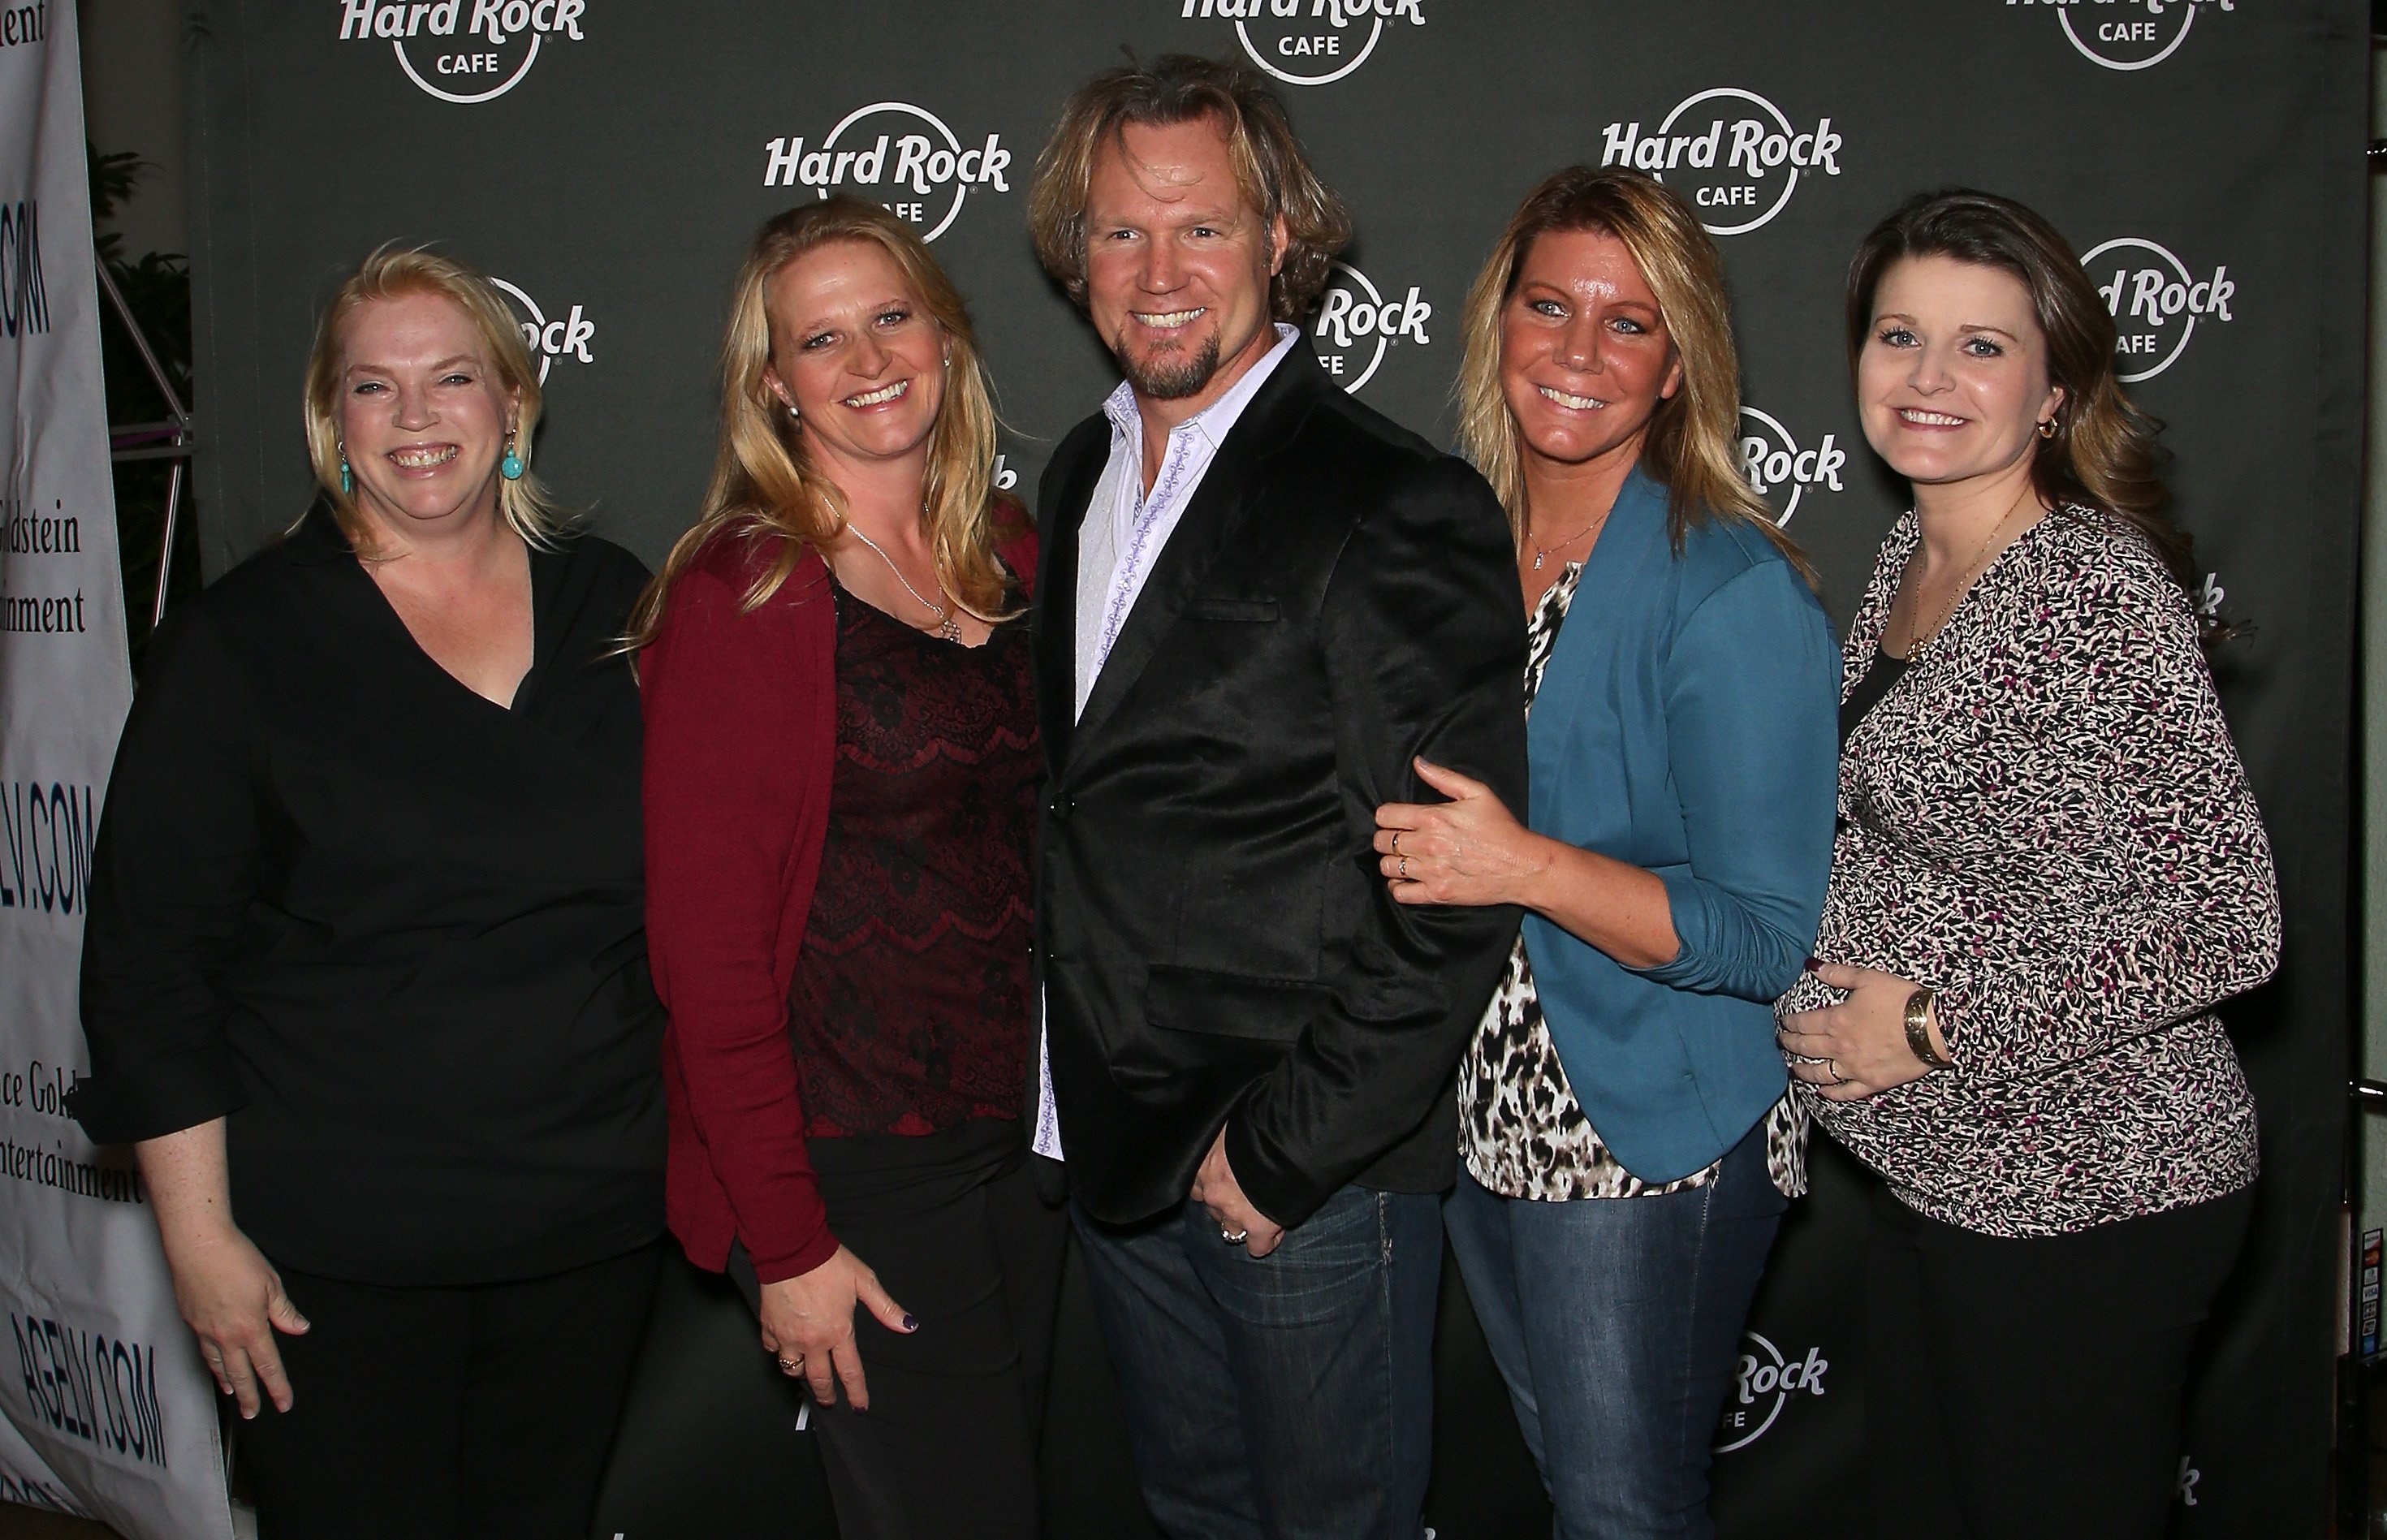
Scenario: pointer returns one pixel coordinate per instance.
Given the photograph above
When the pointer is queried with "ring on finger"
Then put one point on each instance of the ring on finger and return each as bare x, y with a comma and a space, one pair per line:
1233, 1237
791, 1364
1397, 841
1404, 868
1832, 1066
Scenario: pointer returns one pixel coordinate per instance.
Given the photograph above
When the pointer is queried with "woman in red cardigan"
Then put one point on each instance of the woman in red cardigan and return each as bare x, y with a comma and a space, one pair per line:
842, 769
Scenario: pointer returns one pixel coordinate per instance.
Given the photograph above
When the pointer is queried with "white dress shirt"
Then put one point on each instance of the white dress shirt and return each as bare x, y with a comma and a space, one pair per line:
1119, 541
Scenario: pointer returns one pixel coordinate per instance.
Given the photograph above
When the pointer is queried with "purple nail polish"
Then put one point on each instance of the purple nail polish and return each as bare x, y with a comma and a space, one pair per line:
1813, 963
911, 1322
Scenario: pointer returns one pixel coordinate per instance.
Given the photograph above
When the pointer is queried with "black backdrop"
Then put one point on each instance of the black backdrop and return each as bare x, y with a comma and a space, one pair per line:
608, 158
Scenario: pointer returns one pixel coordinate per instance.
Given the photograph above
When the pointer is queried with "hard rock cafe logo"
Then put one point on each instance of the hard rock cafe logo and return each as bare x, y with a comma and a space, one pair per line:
895, 154
1309, 42
2156, 302
2127, 35
1779, 470
1736, 154
464, 51
1764, 1383
1357, 325
551, 337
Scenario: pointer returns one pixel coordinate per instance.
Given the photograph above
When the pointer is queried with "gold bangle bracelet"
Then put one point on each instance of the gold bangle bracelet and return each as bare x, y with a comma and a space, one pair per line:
1918, 1031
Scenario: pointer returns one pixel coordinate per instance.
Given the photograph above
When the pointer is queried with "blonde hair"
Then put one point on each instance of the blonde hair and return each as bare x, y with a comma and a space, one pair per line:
765, 486
1692, 444
390, 272
1270, 169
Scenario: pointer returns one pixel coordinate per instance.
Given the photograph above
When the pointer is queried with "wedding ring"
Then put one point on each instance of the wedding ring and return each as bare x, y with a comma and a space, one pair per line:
1397, 841
1833, 1066
1404, 868
1233, 1237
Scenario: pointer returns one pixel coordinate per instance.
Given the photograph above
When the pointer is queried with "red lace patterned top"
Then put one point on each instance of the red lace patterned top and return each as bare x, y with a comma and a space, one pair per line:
909, 1010
742, 705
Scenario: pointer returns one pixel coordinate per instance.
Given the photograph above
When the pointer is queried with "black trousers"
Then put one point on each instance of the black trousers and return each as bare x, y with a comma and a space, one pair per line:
2032, 1389
948, 1448
482, 1413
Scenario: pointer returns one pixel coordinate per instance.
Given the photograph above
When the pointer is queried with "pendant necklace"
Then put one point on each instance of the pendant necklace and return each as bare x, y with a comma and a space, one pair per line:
1917, 640
947, 626
1541, 550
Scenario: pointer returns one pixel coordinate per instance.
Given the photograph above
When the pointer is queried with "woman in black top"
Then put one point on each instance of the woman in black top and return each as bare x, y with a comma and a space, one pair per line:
364, 978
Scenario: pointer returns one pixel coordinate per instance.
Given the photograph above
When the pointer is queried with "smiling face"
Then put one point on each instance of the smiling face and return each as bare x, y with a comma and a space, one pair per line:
855, 351
1584, 357
423, 416
1952, 382
1178, 261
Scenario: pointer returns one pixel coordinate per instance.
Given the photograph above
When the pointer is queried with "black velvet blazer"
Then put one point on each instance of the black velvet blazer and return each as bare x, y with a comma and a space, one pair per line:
1215, 942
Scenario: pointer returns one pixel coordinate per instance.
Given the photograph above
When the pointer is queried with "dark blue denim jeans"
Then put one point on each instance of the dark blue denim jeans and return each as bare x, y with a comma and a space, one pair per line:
1616, 1324
1288, 1396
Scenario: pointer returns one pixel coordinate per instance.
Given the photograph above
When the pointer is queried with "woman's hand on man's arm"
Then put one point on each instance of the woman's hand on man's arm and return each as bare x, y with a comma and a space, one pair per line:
1471, 851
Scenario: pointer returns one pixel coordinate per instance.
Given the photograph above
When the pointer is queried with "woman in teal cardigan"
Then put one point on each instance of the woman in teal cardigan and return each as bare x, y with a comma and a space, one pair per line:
1628, 1148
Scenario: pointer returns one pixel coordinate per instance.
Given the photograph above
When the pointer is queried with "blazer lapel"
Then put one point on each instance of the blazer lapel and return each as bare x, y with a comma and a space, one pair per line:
1068, 485
1636, 522
1230, 489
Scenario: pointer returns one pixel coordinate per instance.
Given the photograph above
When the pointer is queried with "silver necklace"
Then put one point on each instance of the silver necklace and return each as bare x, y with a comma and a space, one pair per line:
947, 626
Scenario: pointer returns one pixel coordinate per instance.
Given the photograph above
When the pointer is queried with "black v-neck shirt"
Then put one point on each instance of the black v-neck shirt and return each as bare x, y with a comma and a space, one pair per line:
394, 930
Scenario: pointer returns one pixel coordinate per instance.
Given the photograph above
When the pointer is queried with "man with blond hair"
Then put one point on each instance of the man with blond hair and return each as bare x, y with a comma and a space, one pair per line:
1261, 603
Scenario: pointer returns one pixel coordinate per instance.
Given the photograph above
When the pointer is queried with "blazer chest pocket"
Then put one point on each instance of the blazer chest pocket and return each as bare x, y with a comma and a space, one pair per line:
1240, 1005
1252, 609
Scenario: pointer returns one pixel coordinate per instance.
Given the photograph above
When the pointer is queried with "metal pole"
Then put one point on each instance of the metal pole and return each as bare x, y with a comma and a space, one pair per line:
157, 371
165, 546
182, 421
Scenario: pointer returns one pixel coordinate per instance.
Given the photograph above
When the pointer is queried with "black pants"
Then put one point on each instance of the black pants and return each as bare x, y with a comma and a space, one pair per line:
482, 1413
2032, 1389
948, 1448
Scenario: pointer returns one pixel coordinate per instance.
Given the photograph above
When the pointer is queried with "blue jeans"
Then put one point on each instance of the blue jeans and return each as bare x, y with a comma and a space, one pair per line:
1289, 1396
1616, 1324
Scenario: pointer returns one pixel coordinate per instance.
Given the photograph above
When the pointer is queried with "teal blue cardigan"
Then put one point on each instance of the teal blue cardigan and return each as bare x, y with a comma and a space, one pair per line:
1686, 722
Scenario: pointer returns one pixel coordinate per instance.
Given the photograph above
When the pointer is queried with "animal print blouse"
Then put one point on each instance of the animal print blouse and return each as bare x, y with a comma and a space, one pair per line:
1521, 1130
2045, 821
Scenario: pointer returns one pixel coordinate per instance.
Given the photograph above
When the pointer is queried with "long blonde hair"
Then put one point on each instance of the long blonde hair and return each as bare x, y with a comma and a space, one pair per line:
392, 271
766, 485
1692, 445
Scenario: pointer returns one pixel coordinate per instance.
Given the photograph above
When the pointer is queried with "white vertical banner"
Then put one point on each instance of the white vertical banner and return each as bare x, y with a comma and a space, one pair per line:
104, 1408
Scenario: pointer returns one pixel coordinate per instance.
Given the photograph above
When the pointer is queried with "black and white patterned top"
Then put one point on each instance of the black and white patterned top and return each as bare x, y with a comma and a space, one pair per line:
1520, 1130
2045, 820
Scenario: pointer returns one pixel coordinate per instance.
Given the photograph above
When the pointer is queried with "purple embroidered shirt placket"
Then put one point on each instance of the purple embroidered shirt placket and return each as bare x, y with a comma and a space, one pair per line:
1125, 586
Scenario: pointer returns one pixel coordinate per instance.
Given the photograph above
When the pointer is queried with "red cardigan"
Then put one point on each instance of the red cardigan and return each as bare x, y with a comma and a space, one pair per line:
740, 742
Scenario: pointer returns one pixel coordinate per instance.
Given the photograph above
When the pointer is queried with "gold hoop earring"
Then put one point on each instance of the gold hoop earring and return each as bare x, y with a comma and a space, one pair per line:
2046, 427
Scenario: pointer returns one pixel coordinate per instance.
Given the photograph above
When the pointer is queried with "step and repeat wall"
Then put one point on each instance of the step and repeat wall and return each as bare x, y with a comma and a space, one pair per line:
608, 159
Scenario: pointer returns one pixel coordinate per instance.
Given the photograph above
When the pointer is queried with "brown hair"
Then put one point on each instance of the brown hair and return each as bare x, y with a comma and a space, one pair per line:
1692, 447
1270, 169
765, 486
390, 272
2103, 453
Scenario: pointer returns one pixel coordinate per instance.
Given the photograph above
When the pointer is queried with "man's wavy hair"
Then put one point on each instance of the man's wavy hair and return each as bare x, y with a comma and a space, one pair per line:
1274, 174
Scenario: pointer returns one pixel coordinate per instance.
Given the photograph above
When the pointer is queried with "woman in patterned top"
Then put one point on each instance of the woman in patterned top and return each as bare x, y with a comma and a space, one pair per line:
2049, 872
1625, 1135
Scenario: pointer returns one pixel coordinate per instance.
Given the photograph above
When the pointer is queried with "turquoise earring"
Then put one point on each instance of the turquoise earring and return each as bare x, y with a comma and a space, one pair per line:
348, 481
511, 466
